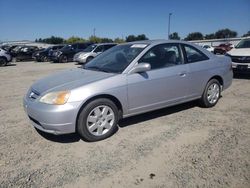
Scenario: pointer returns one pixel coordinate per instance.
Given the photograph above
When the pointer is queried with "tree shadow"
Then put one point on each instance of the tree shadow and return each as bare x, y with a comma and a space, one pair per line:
67, 138
156, 114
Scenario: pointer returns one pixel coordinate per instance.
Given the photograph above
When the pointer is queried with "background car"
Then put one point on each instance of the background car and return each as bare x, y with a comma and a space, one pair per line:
25, 53
67, 53
43, 55
240, 56
208, 48
128, 79
5, 57
223, 48
92, 51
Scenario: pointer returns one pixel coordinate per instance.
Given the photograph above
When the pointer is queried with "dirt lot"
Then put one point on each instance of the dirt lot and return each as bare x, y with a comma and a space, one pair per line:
182, 146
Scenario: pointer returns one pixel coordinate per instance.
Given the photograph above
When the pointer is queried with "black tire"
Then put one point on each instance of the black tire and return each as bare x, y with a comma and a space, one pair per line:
3, 61
63, 59
89, 59
44, 59
204, 101
82, 127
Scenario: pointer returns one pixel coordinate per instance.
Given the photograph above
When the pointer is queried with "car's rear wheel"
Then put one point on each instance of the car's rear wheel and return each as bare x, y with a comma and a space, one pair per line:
3, 62
211, 94
63, 59
89, 59
98, 120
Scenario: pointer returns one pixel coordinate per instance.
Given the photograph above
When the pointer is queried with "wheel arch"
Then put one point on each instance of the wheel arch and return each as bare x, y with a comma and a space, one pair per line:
219, 78
107, 96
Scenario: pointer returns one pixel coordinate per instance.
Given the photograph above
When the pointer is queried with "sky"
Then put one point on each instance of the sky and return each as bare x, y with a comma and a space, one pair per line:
31, 19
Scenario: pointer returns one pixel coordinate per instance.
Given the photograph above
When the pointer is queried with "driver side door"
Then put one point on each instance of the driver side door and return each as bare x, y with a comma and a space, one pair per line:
165, 84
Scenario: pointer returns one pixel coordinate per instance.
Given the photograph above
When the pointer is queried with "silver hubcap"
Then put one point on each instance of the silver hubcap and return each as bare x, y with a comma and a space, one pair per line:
213, 93
100, 120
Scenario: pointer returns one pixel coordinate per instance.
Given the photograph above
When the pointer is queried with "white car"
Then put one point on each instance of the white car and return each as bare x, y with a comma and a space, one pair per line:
5, 57
91, 52
240, 56
208, 48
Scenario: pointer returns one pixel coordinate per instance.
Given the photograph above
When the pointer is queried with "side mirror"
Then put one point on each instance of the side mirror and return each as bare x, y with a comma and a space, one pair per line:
141, 67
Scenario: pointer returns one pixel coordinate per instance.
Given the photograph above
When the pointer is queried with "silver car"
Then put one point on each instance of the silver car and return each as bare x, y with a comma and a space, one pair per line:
91, 52
126, 80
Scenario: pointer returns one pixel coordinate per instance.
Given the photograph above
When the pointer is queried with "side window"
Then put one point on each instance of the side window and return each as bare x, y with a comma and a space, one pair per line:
81, 46
98, 49
106, 47
74, 46
163, 55
194, 55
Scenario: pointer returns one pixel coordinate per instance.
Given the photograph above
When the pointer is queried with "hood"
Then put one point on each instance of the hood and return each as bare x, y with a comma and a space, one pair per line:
239, 52
68, 80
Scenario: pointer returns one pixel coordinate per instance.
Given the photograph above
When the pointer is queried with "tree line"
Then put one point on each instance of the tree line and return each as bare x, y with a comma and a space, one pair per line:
94, 39
222, 33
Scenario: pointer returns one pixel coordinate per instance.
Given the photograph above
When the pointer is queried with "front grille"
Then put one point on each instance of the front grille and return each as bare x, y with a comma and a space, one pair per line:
241, 59
33, 94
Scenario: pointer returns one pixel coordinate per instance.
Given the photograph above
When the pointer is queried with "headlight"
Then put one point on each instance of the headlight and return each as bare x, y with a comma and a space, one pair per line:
83, 55
58, 98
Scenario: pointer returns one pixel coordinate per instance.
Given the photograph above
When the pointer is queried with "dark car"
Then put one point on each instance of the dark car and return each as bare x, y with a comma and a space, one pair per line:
67, 53
43, 55
25, 53
222, 48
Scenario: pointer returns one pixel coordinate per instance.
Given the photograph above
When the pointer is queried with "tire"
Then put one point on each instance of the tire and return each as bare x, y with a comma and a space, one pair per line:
44, 59
63, 59
211, 94
89, 59
3, 62
93, 128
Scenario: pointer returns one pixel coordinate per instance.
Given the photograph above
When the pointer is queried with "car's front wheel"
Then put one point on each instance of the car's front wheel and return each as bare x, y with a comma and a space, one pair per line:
98, 120
211, 94
3, 61
63, 59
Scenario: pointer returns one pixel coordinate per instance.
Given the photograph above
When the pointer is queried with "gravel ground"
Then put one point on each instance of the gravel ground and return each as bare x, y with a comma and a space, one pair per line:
182, 146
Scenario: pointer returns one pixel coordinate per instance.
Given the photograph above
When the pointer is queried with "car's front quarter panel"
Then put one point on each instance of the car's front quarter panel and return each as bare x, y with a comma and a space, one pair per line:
115, 86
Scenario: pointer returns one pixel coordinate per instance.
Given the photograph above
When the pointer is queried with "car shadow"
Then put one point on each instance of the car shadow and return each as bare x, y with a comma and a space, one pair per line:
244, 76
156, 114
11, 65
67, 138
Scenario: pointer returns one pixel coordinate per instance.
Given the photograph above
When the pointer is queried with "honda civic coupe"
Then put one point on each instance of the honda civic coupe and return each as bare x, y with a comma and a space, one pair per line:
126, 80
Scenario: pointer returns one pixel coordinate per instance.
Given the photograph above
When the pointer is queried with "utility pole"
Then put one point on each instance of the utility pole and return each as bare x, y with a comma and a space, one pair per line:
169, 16
94, 32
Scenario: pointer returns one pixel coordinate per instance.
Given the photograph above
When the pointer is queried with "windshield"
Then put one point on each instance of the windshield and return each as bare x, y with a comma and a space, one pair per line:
116, 59
89, 48
67, 47
243, 44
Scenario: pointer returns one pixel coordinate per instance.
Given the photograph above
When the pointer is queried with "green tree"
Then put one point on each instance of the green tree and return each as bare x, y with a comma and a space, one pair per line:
210, 36
247, 34
106, 40
132, 38
74, 39
95, 39
174, 36
119, 40
225, 33
194, 36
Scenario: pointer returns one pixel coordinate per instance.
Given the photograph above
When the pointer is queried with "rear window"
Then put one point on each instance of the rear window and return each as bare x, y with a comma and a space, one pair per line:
194, 55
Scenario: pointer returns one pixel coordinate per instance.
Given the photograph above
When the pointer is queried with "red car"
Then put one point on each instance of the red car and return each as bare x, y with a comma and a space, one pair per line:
222, 48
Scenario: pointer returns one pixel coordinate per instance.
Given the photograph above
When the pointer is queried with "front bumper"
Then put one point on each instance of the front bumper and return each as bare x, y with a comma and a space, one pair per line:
80, 60
241, 67
54, 119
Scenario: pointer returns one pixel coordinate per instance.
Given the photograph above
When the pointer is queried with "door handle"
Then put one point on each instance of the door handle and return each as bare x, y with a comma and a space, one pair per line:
182, 74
